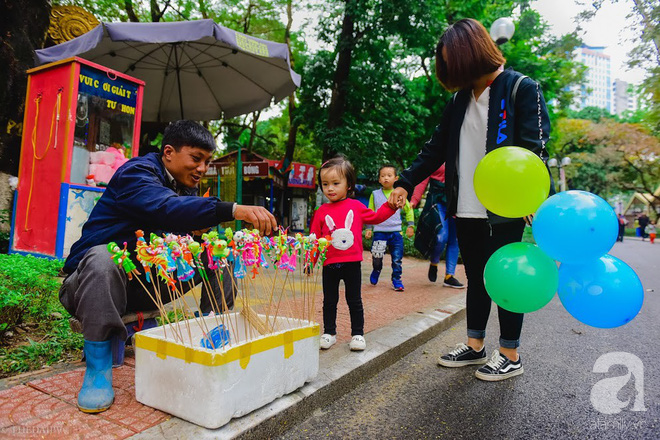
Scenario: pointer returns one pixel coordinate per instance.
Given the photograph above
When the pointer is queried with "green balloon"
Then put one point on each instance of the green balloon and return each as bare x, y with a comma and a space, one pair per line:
511, 182
521, 278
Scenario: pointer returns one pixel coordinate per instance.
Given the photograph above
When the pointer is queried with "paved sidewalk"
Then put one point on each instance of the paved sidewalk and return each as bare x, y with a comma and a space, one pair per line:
395, 324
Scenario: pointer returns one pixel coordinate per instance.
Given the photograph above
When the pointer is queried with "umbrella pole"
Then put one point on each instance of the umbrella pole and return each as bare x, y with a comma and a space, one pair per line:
239, 184
178, 78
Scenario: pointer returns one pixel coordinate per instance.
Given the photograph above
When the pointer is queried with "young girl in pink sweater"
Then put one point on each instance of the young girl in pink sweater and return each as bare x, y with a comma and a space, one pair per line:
342, 219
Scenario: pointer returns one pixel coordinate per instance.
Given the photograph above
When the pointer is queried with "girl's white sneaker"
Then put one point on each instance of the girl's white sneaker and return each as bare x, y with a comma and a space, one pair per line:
327, 341
358, 343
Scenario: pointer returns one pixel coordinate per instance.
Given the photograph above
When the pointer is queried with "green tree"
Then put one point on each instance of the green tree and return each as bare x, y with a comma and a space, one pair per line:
595, 114
545, 58
371, 92
608, 157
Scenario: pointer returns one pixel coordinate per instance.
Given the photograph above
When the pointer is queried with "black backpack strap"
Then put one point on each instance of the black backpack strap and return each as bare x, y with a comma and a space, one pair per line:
514, 92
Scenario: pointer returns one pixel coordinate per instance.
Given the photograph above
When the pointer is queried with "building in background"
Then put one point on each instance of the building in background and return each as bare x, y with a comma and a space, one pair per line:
597, 90
625, 97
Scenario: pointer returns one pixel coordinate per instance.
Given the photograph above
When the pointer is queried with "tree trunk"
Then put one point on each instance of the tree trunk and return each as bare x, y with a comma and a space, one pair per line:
156, 13
246, 19
293, 125
253, 130
345, 46
132, 16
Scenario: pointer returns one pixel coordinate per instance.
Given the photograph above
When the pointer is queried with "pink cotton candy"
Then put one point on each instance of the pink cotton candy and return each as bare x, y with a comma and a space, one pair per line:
119, 158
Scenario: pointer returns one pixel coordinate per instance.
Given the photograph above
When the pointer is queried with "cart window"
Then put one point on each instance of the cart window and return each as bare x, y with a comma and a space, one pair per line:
105, 122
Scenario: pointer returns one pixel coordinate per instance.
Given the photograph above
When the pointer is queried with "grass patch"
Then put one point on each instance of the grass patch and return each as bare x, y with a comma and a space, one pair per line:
34, 327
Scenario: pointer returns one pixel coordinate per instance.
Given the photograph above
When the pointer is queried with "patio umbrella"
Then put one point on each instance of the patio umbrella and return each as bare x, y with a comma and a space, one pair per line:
192, 69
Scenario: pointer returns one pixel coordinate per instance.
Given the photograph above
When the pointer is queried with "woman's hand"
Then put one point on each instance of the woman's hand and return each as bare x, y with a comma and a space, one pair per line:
398, 198
410, 232
368, 234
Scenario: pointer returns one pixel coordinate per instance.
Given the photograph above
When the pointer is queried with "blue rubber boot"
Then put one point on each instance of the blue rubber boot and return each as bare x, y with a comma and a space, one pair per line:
96, 394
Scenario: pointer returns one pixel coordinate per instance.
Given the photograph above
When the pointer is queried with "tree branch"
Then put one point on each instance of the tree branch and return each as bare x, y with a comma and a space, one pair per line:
649, 27
128, 6
244, 127
426, 71
641, 174
203, 9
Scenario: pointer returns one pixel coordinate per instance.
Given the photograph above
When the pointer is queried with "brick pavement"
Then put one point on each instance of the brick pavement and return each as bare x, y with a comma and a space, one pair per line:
382, 304
46, 408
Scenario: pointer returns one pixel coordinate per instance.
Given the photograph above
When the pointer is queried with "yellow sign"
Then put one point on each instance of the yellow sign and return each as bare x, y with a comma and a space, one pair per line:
251, 45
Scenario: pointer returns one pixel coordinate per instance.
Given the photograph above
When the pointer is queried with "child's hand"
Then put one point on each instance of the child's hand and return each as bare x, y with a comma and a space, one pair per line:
367, 234
397, 198
410, 231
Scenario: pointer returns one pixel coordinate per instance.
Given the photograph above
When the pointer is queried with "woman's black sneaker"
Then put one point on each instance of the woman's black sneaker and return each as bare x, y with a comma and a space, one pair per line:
450, 281
433, 273
463, 355
499, 367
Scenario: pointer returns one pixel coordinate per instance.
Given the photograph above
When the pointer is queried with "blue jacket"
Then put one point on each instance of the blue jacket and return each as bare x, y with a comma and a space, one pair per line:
522, 121
139, 196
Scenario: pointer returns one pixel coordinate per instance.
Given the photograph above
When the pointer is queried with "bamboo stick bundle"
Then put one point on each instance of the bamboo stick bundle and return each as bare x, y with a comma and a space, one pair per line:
259, 323
260, 295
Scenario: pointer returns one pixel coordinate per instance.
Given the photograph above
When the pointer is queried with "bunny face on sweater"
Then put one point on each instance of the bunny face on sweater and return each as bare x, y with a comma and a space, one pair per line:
342, 239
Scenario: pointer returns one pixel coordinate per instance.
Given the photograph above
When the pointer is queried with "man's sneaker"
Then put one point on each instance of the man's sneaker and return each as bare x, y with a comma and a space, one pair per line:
499, 367
450, 281
373, 279
397, 285
358, 343
463, 355
433, 272
327, 341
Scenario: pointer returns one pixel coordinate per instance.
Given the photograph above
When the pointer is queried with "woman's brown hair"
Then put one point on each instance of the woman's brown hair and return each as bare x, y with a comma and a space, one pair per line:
470, 52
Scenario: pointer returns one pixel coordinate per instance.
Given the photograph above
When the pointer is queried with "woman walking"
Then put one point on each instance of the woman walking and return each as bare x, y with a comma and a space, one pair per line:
492, 108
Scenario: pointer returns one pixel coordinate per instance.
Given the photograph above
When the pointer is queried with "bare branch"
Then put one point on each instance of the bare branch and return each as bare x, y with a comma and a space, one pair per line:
426, 71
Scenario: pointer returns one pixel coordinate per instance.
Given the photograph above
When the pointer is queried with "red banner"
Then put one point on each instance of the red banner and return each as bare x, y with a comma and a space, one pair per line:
302, 175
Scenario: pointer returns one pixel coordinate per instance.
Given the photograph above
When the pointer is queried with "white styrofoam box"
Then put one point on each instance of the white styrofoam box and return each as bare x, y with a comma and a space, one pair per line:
210, 387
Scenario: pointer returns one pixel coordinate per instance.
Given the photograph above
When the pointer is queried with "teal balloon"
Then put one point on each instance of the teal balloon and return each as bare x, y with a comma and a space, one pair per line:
520, 278
575, 227
603, 293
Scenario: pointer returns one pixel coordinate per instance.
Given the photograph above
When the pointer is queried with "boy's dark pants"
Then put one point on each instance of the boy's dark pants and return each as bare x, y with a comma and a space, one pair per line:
98, 293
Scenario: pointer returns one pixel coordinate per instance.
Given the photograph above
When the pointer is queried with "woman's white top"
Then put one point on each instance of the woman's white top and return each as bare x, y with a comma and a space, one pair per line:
471, 149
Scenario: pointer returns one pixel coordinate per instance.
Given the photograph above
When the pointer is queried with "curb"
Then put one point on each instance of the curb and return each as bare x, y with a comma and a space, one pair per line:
340, 372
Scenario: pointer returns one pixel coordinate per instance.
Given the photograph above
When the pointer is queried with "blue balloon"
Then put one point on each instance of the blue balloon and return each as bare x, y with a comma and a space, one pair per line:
575, 227
603, 293
218, 337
